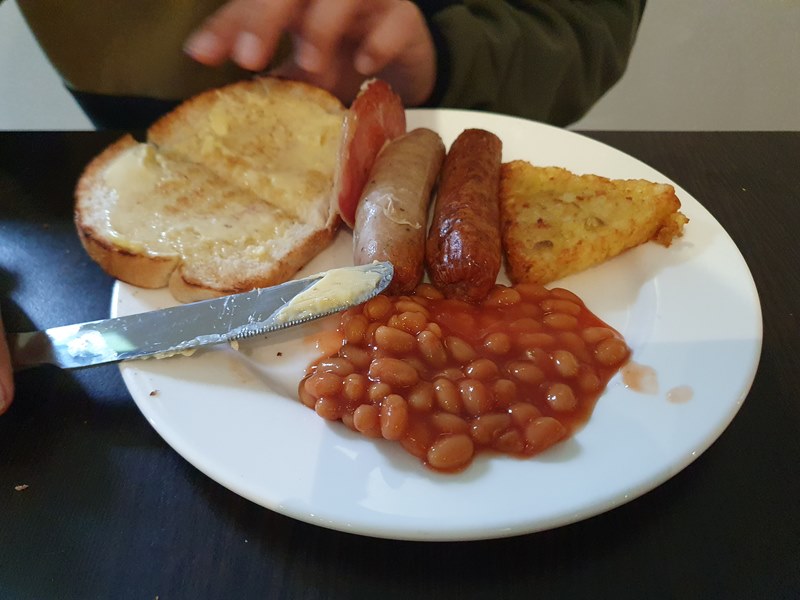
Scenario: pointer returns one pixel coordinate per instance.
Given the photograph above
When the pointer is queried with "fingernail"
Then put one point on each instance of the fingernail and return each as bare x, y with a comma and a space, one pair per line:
364, 64
202, 44
309, 58
249, 51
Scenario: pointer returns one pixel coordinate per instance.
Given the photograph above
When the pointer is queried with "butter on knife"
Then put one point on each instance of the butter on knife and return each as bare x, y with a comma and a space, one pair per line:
183, 328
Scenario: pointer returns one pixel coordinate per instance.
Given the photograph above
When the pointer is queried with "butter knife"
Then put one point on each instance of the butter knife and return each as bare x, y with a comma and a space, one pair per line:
180, 329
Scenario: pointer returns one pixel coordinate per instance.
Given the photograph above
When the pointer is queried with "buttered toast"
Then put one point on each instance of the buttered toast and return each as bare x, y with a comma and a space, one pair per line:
556, 223
233, 190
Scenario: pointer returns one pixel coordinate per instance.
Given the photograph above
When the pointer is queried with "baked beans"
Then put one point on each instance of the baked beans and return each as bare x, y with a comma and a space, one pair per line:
516, 373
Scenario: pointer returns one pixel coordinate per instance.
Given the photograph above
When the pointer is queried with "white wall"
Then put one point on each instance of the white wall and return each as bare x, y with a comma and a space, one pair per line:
31, 94
697, 65
709, 65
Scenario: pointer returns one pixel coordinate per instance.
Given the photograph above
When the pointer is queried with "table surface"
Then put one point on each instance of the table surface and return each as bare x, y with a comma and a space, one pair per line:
111, 511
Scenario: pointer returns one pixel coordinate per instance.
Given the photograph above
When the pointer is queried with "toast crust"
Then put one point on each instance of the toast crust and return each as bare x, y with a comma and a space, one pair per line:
132, 267
556, 223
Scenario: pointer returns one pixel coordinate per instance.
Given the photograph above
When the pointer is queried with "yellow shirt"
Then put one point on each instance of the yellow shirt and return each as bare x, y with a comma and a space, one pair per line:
126, 48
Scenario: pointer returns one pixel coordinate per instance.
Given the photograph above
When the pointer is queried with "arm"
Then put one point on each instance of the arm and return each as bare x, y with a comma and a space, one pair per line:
548, 61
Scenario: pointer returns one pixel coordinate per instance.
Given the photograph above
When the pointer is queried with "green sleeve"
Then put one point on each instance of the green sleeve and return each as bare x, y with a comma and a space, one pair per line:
544, 60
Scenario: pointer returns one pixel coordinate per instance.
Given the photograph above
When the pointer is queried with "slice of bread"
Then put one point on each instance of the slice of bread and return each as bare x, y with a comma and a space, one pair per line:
556, 223
233, 190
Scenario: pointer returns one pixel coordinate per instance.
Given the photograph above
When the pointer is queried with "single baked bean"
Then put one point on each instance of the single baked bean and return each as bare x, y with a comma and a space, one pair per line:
393, 340
394, 417
410, 322
528, 309
451, 373
560, 321
323, 384
532, 291
460, 350
348, 420
426, 290
432, 349
523, 413
497, 343
328, 408
359, 357
475, 397
505, 392
451, 452
446, 422
535, 340
490, 321
587, 380
378, 308
354, 329
525, 325
378, 390
459, 323
305, 396
500, 296
525, 371
481, 368
569, 340
510, 442
610, 352
418, 438
540, 357
542, 433
393, 371
419, 300
411, 306
447, 395
435, 329
592, 335
340, 366
565, 363
552, 305
561, 397
421, 397
487, 428
354, 388
369, 336
418, 364
565, 295
366, 419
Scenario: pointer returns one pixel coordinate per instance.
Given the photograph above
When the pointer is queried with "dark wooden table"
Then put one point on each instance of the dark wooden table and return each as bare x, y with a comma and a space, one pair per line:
111, 511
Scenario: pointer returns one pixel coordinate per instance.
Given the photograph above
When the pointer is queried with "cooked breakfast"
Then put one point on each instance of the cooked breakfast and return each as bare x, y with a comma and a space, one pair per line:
463, 253
392, 216
515, 373
556, 223
240, 187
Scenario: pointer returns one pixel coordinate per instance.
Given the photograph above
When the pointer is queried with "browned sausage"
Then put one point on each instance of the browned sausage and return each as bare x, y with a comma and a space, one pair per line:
393, 212
463, 250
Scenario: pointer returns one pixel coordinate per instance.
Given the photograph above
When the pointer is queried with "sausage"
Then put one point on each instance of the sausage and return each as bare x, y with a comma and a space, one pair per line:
392, 215
464, 252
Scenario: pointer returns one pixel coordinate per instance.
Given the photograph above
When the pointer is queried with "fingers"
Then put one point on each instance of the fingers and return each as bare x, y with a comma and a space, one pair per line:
323, 27
398, 28
6, 378
247, 31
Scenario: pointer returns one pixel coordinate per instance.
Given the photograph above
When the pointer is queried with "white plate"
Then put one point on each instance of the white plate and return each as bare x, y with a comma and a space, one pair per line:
691, 312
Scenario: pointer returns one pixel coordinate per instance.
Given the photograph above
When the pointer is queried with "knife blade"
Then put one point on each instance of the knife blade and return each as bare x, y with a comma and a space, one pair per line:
169, 331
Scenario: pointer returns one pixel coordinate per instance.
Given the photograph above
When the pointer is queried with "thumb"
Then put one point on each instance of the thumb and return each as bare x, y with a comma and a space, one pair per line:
6, 377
